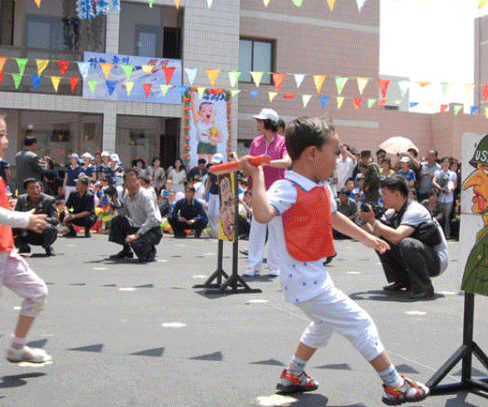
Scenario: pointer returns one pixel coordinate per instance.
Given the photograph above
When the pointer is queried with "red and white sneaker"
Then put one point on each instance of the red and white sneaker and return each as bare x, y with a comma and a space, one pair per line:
410, 392
289, 383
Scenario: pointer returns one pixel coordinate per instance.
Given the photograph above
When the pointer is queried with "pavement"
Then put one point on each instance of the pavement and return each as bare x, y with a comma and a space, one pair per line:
131, 334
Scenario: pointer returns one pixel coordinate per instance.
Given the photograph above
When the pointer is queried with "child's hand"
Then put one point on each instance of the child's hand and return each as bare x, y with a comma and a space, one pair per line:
376, 243
248, 168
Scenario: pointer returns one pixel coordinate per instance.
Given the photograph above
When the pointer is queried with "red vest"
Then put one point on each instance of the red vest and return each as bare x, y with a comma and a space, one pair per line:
307, 225
6, 236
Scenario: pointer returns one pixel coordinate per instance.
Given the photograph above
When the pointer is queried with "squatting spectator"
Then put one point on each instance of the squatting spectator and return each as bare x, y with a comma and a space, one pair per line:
188, 214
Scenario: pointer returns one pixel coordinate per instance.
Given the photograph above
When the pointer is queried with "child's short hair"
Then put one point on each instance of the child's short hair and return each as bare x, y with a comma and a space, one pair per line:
190, 187
305, 132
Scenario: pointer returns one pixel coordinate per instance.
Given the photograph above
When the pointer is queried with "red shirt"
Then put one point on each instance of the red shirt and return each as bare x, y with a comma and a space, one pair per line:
6, 236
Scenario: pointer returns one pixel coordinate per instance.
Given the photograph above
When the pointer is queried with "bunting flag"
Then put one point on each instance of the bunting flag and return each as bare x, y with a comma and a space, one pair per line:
233, 78
340, 101
128, 86
191, 73
381, 102
83, 68
183, 90
305, 99
288, 96
177, 4
106, 67
271, 96
256, 77
266, 2
298, 3
21, 62
457, 108
443, 108
318, 80
331, 4
212, 75
168, 74
92, 83
38, 3
278, 79
1, 77
164, 89
482, 3
111, 85
235, 92
147, 88
473, 109
55, 81
357, 103
383, 84
254, 93
2, 62
413, 104
209, 2
41, 65
151, 3
201, 91
468, 89
404, 86
485, 92
445, 88
36, 81
128, 70
146, 68
63, 66
324, 100
362, 82
424, 84
17, 79
360, 4
73, 82
340, 83
299, 77
486, 112
371, 103
397, 102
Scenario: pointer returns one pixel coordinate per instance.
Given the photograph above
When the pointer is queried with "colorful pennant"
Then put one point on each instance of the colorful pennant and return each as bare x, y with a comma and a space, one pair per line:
383, 84
324, 100
371, 103
473, 109
256, 77
331, 4
457, 108
63, 66
404, 86
73, 82
21, 62
146, 68
2, 62
318, 80
357, 103
1, 77
200, 91
299, 77
340, 101
128, 70
128, 87
443, 108
212, 75
147, 88
41, 65
17, 79
36, 81
485, 93
298, 3
55, 81
288, 96
111, 85
164, 89
254, 93
83, 68
360, 4
191, 73
340, 83
233, 78
278, 79
168, 74
106, 67
362, 82
305, 99
271, 96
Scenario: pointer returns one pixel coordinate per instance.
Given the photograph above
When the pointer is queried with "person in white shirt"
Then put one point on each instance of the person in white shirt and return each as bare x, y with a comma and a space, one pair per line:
345, 166
446, 181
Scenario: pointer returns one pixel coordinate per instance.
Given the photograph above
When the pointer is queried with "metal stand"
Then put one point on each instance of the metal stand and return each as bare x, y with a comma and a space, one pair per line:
464, 353
217, 274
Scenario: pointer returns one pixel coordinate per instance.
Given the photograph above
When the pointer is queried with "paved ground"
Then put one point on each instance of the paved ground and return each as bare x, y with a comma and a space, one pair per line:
126, 334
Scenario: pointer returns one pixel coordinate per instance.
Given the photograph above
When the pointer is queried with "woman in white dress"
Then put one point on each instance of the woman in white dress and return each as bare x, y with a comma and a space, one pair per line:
157, 173
178, 176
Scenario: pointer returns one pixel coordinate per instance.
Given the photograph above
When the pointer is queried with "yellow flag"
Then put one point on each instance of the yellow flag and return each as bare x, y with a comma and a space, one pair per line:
331, 4
164, 89
129, 86
200, 90
272, 95
212, 75
318, 80
486, 112
256, 77
177, 4
468, 89
41, 65
482, 3
362, 82
147, 68
266, 2
55, 80
38, 4
106, 67
340, 100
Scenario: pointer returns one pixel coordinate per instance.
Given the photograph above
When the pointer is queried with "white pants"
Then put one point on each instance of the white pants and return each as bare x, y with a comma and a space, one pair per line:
257, 242
213, 212
335, 311
17, 276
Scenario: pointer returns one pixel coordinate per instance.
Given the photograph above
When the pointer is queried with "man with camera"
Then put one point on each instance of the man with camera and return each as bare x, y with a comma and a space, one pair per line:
418, 246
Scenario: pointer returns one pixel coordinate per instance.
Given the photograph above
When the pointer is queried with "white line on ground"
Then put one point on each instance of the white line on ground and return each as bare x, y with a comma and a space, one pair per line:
100, 268
71, 245
275, 400
127, 289
415, 312
17, 308
447, 292
353, 272
209, 254
258, 301
199, 276
162, 260
173, 325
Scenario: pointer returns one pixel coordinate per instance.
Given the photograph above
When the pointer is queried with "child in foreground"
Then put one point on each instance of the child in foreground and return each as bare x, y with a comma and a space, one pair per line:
305, 239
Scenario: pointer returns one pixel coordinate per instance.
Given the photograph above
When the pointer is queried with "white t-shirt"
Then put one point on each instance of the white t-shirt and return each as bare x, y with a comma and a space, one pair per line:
299, 281
177, 178
344, 170
446, 180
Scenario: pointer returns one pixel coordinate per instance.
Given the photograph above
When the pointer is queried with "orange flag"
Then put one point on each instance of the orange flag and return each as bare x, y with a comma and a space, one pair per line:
278, 79
38, 3
73, 82
212, 75
147, 88
381, 102
357, 102
168, 74
2, 62
318, 80
383, 83
424, 84
485, 92
63, 66
106, 67
288, 95
331, 4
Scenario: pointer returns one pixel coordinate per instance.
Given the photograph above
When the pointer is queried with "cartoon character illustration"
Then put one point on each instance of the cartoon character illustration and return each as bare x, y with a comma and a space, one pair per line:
207, 133
227, 212
475, 279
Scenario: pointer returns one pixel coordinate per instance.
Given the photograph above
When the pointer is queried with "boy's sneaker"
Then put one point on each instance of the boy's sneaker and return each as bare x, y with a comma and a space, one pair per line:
274, 272
250, 272
289, 383
26, 354
409, 392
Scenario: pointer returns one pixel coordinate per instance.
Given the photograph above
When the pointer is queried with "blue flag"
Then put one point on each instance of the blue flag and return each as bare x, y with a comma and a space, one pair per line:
254, 93
474, 109
413, 104
36, 81
324, 100
111, 86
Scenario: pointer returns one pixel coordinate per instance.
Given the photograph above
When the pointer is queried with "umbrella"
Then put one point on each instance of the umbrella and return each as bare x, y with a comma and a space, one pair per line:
395, 145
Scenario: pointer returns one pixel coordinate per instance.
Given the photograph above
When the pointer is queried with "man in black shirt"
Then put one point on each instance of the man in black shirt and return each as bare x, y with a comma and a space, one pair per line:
188, 213
80, 209
201, 170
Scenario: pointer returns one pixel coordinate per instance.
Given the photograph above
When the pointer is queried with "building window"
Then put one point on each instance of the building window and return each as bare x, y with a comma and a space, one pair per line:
255, 56
172, 43
7, 22
45, 32
147, 41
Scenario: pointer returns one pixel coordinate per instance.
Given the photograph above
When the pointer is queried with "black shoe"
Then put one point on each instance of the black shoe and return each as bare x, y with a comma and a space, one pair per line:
122, 255
423, 295
329, 259
24, 248
151, 256
49, 251
198, 233
398, 286
87, 233
71, 233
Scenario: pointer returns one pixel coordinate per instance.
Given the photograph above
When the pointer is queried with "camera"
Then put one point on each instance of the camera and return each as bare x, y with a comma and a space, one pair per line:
377, 209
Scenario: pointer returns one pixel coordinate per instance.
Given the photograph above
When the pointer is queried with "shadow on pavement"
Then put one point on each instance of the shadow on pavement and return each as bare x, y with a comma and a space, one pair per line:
460, 400
316, 400
381, 295
18, 380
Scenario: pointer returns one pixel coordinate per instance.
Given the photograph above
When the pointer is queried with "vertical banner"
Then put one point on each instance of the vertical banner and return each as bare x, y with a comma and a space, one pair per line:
227, 211
474, 214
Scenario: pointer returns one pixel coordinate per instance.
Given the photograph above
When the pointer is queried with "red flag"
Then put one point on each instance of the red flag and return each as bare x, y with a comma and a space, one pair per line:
168, 74
147, 88
443, 108
74, 82
63, 66
289, 95
216, 91
357, 102
381, 102
383, 86
278, 79
485, 92
1, 77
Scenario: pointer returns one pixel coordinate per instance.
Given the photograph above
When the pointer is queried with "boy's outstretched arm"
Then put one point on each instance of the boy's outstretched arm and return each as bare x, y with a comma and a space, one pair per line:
262, 211
347, 227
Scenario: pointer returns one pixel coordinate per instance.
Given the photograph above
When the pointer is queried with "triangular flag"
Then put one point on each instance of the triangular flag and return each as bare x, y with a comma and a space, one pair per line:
128, 70
381, 102
41, 65
266, 2
324, 100
305, 99
201, 91
1, 77
209, 2
383, 84
146, 68
183, 90
486, 112
233, 78
272, 95
177, 4
256, 77
128, 86
331, 4
468, 89
63, 66
73, 82
473, 109
83, 68
111, 86
318, 80
38, 3
457, 107
362, 82
299, 77
298, 3
168, 74
92, 83
36, 81
235, 92
191, 73
2, 62
288, 96
151, 3
485, 93
423, 84
212, 75
254, 93
482, 3
357, 102
147, 88
340, 83
371, 103
397, 102
278, 79
340, 100
164, 89
55, 81
404, 86
445, 86
17, 79
21, 62
413, 104
360, 4
443, 108
106, 67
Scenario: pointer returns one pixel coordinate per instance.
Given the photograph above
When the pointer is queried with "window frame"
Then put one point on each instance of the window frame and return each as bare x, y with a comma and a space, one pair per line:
272, 57
151, 29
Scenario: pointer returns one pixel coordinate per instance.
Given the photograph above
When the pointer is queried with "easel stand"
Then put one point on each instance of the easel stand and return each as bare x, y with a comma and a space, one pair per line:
464, 353
217, 274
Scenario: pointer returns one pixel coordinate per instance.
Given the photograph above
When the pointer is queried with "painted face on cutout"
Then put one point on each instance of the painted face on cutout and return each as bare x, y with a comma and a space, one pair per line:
227, 208
207, 112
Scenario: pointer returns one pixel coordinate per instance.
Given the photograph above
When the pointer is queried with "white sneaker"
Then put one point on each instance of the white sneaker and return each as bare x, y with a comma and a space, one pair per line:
250, 272
274, 271
26, 354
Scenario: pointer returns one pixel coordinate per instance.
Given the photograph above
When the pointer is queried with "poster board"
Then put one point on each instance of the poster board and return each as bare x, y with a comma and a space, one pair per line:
227, 211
